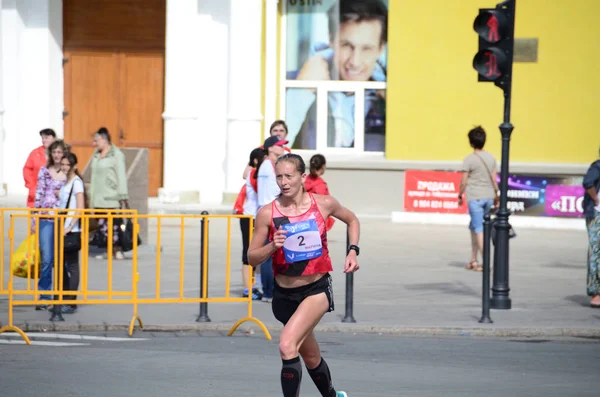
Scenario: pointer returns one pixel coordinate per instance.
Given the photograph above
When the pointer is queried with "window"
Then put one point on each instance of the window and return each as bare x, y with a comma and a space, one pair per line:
334, 72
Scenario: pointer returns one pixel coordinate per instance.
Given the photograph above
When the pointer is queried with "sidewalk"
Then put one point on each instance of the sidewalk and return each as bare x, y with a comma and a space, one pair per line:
411, 281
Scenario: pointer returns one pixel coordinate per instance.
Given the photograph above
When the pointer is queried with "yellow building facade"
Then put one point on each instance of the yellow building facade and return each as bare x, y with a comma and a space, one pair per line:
434, 96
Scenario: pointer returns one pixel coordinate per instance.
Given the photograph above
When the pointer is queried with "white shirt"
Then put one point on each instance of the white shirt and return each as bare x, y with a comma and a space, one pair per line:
63, 197
268, 190
251, 203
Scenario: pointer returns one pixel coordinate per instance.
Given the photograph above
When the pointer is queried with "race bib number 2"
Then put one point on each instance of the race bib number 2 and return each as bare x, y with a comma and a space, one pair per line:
303, 241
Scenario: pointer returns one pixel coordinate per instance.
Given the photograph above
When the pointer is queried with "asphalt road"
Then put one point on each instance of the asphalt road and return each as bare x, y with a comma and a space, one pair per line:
210, 364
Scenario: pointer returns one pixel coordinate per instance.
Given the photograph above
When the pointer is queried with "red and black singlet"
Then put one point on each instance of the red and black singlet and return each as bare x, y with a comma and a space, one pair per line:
305, 251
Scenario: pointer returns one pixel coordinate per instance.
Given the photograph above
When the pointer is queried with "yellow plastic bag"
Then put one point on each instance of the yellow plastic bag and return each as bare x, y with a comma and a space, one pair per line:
26, 256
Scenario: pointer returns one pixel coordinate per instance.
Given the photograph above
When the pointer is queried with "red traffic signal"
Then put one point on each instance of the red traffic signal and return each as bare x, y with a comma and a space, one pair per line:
493, 60
490, 63
491, 25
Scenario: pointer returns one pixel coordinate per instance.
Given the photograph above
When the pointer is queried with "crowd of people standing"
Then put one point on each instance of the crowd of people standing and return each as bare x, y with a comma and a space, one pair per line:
55, 185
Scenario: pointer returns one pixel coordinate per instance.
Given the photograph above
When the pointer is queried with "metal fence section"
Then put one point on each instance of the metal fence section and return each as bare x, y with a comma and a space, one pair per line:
24, 291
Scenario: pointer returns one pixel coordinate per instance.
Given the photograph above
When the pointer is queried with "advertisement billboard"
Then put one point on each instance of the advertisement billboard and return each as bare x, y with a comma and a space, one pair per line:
328, 41
529, 195
432, 191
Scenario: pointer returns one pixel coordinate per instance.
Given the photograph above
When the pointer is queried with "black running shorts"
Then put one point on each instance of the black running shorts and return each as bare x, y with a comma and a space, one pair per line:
287, 300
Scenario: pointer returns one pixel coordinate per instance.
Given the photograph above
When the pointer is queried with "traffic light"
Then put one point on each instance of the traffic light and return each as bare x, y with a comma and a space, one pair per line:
495, 27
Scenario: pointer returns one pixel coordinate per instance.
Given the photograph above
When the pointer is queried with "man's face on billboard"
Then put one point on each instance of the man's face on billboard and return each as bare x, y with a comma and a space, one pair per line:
357, 47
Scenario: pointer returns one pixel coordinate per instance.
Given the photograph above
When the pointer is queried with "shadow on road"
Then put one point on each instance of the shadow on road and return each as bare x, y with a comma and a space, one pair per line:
582, 300
457, 288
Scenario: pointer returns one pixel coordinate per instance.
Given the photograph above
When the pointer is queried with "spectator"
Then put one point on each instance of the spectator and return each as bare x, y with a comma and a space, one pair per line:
479, 182
36, 160
279, 129
267, 191
591, 206
317, 185
247, 204
71, 196
50, 181
108, 188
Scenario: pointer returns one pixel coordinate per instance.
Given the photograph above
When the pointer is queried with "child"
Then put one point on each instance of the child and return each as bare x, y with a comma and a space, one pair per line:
315, 184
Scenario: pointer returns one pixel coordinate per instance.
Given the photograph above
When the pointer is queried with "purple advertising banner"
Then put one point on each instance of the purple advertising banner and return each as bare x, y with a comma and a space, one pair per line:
545, 195
563, 200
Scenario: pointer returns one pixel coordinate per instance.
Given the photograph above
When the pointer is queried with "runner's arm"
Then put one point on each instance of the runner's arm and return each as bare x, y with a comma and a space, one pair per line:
335, 209
258, 252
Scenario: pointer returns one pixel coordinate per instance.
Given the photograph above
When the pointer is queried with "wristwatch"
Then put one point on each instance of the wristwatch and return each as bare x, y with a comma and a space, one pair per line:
355, 248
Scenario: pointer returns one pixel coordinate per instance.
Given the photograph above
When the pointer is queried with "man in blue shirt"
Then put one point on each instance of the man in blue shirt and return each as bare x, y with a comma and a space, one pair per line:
358, 35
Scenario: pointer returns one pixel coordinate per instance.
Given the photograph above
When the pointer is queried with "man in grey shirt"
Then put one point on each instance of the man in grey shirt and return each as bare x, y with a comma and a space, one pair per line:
479, 182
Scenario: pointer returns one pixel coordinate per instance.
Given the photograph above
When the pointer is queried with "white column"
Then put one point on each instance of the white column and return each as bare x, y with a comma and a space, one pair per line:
33, 80
195, 101
54, 39
244, 118
12, 34
271, 64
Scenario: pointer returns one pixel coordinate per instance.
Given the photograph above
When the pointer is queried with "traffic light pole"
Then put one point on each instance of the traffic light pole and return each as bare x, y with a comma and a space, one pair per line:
500, 288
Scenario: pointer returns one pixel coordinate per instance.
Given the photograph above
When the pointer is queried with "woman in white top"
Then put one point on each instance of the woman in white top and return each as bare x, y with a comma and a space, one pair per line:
71, 196
250, 207
267, 191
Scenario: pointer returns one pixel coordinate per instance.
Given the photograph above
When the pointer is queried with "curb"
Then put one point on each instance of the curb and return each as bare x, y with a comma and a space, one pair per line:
329, 328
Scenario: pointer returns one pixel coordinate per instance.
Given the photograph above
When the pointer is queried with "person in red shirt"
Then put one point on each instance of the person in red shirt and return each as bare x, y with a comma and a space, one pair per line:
36, 160
315, 184
294, 226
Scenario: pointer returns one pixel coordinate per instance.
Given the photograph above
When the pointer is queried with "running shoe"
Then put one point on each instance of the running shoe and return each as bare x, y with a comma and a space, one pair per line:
342, 394
256, 295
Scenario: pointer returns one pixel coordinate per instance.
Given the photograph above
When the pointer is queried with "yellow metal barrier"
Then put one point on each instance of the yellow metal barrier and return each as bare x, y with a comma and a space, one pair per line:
30, 296
33, 215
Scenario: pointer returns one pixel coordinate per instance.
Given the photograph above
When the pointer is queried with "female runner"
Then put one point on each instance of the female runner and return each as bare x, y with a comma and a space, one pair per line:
294, 223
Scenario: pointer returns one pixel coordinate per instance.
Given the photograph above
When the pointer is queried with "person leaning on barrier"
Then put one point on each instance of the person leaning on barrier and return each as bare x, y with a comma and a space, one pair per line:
108, 187
591, 206
71, 196
36, 160
294, 227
